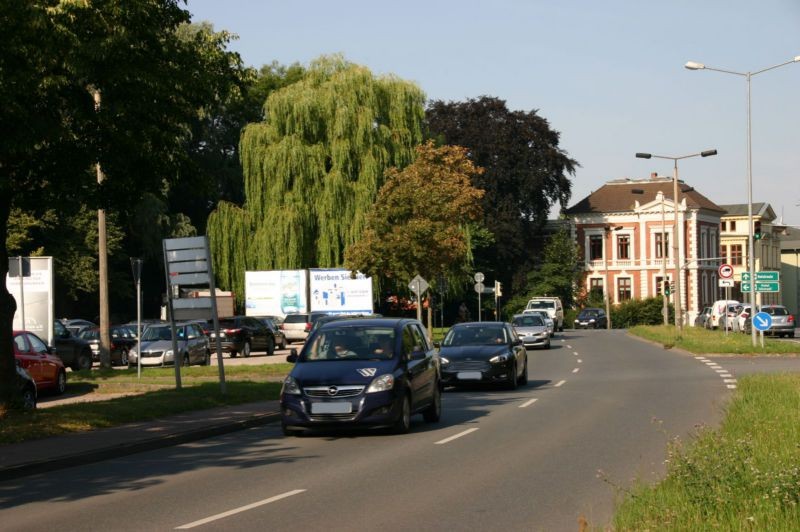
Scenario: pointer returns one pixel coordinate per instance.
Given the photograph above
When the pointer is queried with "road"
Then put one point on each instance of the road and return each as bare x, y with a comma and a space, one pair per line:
597, 415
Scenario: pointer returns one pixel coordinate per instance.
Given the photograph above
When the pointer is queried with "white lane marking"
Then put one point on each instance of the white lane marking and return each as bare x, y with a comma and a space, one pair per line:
721, 370
700, 358
575, 353
728, 380
559, 383
451, 438
710, 363
731, 386
239, 510
569, 346
725, 375
576, 370
580, 361
528, 403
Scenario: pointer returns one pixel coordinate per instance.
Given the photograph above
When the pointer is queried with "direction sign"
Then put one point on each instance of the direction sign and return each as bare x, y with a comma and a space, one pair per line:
479, 277
725, 271
762, 276
726, 283
762, 321
479, 287
418, 285
763, 286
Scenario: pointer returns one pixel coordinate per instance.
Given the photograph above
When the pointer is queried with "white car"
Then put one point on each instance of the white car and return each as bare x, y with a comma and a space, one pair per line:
741, 317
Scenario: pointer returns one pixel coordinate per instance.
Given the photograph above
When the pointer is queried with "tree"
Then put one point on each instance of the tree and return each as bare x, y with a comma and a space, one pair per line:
558, 274
152, 83
420, 223
526, 174
313, 167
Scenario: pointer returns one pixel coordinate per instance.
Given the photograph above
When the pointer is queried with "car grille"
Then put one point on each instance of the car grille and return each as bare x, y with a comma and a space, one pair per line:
341, 391
151, 354
333, 417
468, 365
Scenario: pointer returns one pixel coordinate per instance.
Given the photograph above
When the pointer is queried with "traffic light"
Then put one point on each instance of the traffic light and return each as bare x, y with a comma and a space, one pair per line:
667, 288
498, 288
757, 230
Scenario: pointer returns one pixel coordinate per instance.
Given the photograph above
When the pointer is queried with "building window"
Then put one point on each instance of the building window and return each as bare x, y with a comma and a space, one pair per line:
732, 225
735, 256
596, 286
623, 288
623, 247
662, 245
595, 247
704, 245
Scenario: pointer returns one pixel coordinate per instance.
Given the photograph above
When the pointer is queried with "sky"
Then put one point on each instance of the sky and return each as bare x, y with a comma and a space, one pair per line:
607, 74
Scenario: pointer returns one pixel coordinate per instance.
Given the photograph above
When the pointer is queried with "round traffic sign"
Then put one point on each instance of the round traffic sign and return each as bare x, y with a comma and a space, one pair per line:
479, 277
479, 287
762, 321
725, 271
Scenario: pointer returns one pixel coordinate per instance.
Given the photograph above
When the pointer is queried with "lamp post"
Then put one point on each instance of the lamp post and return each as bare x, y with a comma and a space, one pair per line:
136, 267
675, 248
692, 65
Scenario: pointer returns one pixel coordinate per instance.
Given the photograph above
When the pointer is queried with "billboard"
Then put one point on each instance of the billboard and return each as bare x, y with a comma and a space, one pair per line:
335, 292
275, 292
34, 288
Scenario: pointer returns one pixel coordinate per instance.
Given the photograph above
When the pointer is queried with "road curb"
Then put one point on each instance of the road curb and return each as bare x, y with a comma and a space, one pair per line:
168, 440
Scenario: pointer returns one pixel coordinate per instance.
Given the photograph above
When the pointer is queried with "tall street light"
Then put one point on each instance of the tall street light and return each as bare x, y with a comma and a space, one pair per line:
675, 248
692, 65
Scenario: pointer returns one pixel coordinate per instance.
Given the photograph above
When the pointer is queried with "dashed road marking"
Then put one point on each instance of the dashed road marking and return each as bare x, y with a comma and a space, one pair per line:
569, 346
580, 361
575, 353
528, 403
731, 386
238, 510
558, 384
456, 436
576, 370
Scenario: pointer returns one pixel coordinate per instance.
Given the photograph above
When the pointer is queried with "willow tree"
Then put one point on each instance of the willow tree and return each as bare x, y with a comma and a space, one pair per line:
313, 167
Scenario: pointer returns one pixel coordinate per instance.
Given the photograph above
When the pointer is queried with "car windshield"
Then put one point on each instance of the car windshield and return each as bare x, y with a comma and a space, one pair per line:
351, 343
475, 335
541, 304
528, 321
153, 334
588, 314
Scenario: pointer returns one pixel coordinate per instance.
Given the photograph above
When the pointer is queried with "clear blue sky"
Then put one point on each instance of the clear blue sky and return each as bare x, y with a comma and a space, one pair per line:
607, 74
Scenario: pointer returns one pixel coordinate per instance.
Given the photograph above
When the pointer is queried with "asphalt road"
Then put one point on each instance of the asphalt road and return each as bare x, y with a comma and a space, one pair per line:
596, 416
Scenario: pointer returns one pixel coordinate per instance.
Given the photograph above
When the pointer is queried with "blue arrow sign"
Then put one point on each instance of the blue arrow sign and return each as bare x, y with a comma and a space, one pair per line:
762, 321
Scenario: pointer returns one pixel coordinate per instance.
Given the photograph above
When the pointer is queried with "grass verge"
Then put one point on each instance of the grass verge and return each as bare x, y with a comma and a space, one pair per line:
153, 396
702, 341
746, 475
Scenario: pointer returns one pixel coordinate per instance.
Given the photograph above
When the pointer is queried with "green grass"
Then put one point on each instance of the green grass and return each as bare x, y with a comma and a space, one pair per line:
702, 341
154, 396
746, 475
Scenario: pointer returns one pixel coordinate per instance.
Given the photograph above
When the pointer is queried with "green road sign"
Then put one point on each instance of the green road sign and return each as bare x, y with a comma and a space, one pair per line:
763, 276
763, 286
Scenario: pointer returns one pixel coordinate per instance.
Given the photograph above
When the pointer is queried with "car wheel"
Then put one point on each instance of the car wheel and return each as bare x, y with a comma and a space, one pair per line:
207, 359
511, 383
186, 361
270, 346
61, 382
282, 345
246, 349
434, 412
403, 423
234, 354
289, 432
84, 361
123, 358
547, 345
523, 380
28, 398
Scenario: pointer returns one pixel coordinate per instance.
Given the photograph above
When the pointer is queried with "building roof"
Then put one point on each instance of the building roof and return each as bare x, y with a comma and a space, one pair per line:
762, 210
790, 239
621, 195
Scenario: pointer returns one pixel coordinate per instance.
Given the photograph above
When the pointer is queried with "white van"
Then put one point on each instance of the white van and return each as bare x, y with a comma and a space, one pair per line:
553, 307
723, 313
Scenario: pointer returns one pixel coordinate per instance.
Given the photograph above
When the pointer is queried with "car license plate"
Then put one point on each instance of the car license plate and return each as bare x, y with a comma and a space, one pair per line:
342, 407
469, 375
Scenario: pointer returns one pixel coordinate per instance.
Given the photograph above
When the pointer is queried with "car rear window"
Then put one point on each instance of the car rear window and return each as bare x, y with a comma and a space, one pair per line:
542, 304
296, 318
777, 311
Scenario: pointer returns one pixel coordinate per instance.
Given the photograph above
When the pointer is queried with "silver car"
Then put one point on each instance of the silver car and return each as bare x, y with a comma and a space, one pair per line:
548, 321
532, 330
156, 346
782, 320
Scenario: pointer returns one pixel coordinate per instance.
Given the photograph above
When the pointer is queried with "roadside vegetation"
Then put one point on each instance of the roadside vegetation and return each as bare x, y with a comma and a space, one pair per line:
703, 341
746, 475
151, 397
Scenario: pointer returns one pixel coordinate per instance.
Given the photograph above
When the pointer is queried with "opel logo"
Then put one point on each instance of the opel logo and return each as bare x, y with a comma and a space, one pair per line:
333, 390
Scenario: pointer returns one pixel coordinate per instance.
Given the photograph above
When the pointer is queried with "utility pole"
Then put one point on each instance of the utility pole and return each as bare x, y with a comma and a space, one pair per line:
102, 261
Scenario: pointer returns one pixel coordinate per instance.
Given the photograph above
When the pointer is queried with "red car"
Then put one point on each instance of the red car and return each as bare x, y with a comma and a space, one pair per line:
35, 357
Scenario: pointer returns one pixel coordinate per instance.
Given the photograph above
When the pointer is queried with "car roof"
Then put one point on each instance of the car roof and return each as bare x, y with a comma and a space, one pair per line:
368, 322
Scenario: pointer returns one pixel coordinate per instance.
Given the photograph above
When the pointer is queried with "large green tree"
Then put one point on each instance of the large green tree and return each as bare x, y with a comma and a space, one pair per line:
421, 220
53, 55
313, 167
526, 173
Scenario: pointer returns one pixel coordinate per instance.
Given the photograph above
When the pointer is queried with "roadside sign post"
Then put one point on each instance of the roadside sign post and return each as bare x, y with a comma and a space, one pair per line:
479, 288
419, 285
136, 266
762, 322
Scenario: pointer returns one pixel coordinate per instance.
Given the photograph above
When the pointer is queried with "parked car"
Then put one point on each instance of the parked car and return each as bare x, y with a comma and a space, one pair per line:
702, 319
77, 326
296, 327
591, 318
548, 321
26, 387
36, 358
74, 352
488, 352
244, 334
156, 346
783, 323
532, 330
122, 339
363, 373
742, 312
722, 313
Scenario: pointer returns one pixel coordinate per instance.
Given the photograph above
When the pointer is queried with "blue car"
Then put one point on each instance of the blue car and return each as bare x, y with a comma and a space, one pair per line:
373, 373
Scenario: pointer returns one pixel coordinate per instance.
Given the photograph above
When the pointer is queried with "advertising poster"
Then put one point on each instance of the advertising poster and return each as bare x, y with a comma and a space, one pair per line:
275, 292
35, 288
335, 292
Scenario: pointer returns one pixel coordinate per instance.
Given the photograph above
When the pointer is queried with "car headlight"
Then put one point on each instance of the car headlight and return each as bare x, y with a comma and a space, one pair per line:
168, 354
290, 386
499, 359
591, 320
381, 383
444, 361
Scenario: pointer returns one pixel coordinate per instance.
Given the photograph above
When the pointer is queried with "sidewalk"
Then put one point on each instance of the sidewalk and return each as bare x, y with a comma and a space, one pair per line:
37, 456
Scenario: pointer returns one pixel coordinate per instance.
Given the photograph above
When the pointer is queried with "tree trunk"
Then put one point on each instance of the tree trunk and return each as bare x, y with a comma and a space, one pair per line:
9, 395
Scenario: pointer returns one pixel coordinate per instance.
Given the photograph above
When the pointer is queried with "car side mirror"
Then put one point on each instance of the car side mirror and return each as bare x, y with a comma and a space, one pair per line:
437, 345
416, 355
292, 357
516, 342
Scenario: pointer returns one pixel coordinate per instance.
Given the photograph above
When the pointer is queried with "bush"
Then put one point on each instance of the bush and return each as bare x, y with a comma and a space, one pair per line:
638, 312
569, 317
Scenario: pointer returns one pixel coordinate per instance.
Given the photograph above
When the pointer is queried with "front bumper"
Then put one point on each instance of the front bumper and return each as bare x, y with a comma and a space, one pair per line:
532, 341
372, 410
455, 374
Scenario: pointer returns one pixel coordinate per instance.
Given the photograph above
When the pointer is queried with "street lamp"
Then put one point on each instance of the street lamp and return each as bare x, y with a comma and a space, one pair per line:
692, 65
675, 248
